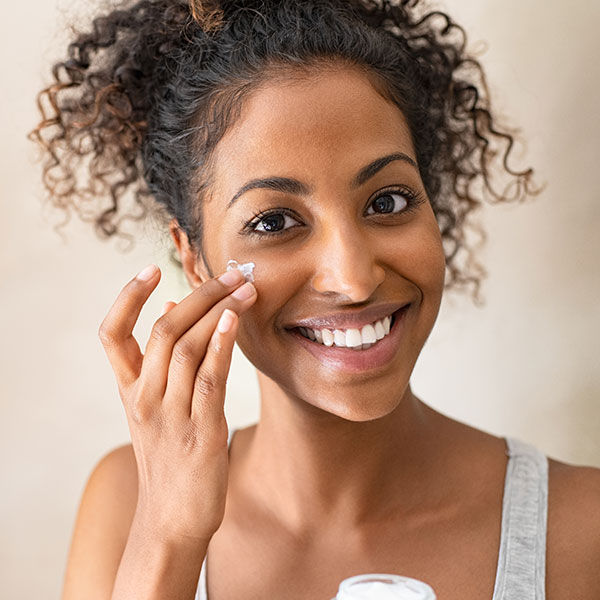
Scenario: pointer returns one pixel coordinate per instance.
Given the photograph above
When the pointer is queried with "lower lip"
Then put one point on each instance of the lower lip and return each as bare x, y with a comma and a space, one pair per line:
356, 361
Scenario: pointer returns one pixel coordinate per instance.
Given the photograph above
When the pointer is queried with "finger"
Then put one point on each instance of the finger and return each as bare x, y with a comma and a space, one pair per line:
172, 325
115, 331
189, 351
209, 386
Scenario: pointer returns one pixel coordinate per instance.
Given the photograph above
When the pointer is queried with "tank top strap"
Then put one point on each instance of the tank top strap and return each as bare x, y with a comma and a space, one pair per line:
201, 590
230, 436
521, 571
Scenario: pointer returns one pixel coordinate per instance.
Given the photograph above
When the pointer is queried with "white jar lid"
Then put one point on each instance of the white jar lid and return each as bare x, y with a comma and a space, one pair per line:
383, 586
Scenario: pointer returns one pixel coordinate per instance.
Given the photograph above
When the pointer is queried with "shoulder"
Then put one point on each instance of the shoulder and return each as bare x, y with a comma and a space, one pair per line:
119, 463
574, 498
102, 525
112, 484
573, 536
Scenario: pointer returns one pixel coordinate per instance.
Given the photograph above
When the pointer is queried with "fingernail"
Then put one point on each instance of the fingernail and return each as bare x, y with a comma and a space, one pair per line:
231, 277
244, 292
147, 273
226, 321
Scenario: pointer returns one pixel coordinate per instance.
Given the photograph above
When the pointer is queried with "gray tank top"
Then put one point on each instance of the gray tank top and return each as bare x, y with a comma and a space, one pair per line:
521, 570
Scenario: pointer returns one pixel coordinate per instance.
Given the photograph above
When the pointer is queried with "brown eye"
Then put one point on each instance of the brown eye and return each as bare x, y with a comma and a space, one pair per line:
390, 202
275, 222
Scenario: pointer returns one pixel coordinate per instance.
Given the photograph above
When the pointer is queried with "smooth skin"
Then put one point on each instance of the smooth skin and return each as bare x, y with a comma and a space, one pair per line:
346, 472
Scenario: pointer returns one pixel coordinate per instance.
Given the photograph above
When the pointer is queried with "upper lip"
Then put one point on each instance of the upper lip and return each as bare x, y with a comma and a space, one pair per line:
349, 319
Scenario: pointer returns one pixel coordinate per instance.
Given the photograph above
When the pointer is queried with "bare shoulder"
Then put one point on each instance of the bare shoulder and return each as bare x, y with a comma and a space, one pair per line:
102, 526
112, 485
573, 538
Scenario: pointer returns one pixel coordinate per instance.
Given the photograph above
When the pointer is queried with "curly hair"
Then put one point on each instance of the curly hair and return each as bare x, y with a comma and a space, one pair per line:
148, 91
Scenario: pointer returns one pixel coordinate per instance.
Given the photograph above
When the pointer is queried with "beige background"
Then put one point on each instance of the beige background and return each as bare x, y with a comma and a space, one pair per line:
526, 365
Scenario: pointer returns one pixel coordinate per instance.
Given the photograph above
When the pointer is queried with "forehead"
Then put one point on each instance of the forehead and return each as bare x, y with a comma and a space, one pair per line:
327, 125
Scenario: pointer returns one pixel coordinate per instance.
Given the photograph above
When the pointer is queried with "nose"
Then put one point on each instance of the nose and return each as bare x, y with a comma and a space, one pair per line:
346, 265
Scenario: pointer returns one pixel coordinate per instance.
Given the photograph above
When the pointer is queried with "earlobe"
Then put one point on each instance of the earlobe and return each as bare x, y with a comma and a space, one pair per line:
193, 264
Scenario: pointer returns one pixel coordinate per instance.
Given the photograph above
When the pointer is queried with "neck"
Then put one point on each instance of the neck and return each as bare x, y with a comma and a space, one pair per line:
315, 467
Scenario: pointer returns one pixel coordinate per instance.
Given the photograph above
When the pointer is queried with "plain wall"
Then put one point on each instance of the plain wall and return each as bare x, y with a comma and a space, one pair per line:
526, 365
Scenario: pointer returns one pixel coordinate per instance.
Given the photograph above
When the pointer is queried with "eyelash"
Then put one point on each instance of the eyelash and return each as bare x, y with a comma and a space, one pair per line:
413, 200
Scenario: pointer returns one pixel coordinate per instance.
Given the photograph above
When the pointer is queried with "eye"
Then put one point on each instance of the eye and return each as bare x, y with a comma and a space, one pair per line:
273, 222
389, 202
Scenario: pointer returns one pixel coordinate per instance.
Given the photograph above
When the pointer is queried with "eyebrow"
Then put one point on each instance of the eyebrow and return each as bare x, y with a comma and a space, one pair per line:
293, 186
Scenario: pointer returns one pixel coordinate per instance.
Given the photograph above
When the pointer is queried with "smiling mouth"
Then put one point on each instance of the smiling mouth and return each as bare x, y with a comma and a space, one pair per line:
353, 338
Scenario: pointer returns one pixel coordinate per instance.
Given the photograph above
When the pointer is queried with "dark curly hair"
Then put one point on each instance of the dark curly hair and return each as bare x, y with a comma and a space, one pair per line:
146, 94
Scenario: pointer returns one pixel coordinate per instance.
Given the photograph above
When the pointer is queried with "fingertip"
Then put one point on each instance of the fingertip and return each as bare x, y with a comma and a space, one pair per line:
148, 273
245, 292
227, 321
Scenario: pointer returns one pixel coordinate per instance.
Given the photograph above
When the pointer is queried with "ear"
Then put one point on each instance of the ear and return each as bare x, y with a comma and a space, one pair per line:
193, 265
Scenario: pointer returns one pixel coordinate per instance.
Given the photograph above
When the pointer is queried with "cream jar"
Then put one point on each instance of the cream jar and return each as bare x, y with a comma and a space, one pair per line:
378, 586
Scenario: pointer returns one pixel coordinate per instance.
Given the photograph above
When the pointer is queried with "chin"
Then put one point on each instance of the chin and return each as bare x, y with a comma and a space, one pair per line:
358, 410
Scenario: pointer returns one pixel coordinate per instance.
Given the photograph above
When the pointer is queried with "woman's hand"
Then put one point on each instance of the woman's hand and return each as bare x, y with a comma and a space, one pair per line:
174, 396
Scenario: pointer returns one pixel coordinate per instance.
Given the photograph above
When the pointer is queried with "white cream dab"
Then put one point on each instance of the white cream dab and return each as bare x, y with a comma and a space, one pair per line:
246, 269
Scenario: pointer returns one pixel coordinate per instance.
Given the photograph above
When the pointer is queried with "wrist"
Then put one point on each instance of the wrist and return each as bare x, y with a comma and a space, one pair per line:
158, 563
146, 526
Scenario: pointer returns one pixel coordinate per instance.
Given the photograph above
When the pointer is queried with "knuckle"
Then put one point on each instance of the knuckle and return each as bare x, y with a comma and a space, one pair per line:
164, 329
141, 405
184, 351
107, 335
141, 411
206, 383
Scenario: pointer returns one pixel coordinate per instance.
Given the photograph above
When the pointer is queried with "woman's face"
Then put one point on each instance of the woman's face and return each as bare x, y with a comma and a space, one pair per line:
342, 237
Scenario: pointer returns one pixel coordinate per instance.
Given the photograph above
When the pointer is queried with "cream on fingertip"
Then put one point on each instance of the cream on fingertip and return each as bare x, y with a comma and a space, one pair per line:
231, 277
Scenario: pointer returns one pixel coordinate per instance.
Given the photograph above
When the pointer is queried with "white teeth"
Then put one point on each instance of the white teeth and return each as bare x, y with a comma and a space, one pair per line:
353, 338
358, 339
327, 337
367, 334
339, 338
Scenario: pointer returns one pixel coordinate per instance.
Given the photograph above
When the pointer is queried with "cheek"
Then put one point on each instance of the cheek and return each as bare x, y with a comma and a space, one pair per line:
258, 336
428, 262
417, 254
277, 281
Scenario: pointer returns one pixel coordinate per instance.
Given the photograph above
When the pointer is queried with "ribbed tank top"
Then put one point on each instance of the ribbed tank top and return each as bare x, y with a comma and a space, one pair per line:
521, 570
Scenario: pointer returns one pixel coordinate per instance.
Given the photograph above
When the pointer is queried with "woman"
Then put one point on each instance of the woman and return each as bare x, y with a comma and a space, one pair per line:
339, 146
